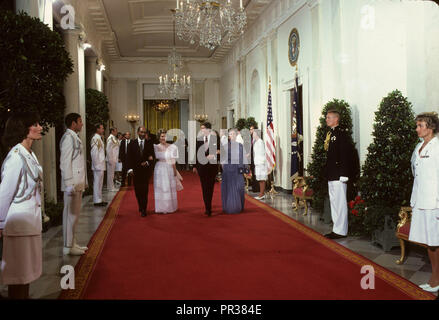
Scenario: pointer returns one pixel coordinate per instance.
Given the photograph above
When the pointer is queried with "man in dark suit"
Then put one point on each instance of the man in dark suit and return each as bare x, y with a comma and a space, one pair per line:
337, 172
208, 149
123, 157
140, 161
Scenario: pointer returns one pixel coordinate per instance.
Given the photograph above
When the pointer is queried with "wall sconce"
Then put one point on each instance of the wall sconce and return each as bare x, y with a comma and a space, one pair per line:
100, 65
132, 118
201, 117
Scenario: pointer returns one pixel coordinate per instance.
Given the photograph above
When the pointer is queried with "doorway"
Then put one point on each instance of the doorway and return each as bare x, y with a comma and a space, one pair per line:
296, 131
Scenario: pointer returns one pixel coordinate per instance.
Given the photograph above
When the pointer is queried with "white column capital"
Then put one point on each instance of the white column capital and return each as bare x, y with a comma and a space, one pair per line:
312, 3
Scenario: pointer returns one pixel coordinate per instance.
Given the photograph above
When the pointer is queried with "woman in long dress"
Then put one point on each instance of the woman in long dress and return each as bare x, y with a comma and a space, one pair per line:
232, 185
20, 206
166, 176
424, 201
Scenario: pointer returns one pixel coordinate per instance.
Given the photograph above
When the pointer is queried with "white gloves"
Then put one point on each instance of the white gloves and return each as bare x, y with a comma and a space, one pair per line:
129, 171
344, 179
69, 190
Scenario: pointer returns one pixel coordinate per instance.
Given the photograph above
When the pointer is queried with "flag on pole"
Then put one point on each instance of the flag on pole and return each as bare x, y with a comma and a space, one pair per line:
270, 144
295, 131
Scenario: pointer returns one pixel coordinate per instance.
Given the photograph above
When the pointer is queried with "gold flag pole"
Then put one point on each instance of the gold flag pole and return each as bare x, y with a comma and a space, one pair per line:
272, 191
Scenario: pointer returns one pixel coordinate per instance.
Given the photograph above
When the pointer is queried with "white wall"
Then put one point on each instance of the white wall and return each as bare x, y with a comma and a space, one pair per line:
358, 51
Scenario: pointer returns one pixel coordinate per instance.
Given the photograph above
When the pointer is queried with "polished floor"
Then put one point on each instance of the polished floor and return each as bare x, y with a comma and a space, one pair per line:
416, 268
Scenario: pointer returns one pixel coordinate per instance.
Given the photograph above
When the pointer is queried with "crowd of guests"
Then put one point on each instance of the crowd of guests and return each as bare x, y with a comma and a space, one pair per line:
142, 158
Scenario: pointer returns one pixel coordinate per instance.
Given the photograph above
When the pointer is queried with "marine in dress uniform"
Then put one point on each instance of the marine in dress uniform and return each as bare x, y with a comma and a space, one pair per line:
123, 149
337, 173
98, 165
112, 158
73, 182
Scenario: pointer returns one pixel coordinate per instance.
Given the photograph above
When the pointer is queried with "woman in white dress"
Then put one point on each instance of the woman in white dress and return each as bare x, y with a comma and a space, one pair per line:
166, 176
260, 160
20, 206
424, 201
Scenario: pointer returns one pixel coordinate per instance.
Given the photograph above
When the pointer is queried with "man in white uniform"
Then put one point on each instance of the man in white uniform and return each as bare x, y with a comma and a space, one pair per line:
112, 158
73, 181
98, 165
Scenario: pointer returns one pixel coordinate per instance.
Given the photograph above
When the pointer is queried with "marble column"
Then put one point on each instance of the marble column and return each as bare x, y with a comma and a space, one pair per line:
90, 73
74, 87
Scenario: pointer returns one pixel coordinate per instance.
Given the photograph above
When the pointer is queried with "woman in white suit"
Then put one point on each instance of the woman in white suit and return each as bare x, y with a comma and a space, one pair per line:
261, 169
20, 206
424, 201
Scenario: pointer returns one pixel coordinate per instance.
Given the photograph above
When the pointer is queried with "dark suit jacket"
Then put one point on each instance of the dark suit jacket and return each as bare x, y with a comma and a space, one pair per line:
134, 158
338, 159
214, 146
123, 151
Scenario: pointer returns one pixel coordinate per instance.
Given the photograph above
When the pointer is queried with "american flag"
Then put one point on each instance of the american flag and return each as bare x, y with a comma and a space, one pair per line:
270, 145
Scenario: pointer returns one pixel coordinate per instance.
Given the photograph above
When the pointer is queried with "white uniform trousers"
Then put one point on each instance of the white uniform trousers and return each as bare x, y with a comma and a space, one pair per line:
110, 175
98, 182
72, 209
339, 207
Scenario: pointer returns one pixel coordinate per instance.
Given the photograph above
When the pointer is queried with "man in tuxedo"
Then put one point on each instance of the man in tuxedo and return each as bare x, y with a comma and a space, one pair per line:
337, 172
140, 162
123, 157
208, 149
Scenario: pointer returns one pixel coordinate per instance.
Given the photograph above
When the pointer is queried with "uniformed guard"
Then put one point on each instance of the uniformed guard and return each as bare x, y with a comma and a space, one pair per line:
337, 173
73, 181
98, 165
112, 158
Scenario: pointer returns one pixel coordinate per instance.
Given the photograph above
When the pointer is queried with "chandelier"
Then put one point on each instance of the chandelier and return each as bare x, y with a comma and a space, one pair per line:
175, 82
163, 106
209, 20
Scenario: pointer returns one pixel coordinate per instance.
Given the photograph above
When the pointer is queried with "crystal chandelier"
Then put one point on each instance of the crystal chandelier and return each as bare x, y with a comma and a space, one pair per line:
175, 82
163, 106
209, 20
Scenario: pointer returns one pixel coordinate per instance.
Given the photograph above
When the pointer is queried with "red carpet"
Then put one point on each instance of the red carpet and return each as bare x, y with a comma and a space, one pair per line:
259, 254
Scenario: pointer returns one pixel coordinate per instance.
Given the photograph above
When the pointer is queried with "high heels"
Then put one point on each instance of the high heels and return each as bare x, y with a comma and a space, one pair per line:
431, 289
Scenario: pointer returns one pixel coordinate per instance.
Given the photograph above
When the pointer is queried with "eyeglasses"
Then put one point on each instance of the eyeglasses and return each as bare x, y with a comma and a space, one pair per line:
142, 131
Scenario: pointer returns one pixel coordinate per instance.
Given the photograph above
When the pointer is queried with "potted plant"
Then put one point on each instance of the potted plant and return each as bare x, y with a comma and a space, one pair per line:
387, 180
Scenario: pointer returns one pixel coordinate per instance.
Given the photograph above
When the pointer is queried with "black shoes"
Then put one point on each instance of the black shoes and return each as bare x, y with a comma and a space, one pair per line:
333, 235
100, 204
143, 213
208, 213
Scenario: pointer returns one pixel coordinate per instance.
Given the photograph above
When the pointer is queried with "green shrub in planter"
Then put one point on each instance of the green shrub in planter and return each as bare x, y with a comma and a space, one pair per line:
241, 124
33, 67
387, 179
251, 122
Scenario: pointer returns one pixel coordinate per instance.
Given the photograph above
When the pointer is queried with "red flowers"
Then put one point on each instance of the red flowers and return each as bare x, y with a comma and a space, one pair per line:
353, 203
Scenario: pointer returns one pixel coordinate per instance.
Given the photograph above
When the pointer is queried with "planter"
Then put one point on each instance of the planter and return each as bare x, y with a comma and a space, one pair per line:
326, 216
386, 238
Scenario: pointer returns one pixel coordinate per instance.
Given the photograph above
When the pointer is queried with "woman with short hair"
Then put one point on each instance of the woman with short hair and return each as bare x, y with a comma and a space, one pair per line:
20, 206
232, 184
424, 201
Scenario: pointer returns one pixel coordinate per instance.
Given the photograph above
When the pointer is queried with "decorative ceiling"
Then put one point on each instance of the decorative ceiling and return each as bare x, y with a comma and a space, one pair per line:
143, 29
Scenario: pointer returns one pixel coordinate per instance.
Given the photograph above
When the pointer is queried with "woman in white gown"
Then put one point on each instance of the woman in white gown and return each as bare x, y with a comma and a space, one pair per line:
166, 176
